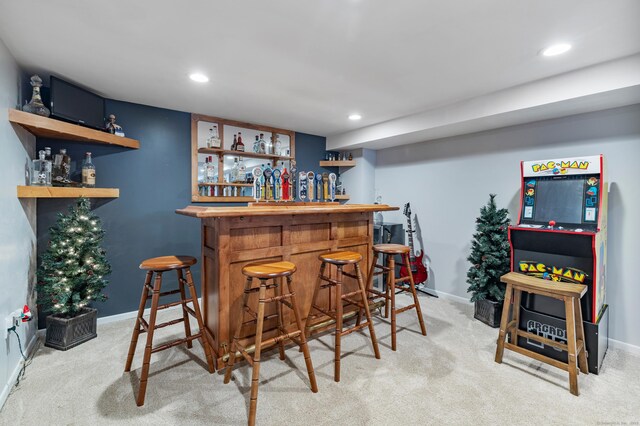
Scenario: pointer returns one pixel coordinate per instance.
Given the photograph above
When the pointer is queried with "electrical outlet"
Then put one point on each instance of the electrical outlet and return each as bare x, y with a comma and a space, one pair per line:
8, 323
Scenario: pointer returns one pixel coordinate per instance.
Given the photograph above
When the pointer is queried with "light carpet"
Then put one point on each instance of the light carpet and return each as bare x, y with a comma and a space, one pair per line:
448, 377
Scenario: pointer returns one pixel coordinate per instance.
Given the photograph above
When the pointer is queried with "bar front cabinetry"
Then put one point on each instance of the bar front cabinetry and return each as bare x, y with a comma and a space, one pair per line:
229, 243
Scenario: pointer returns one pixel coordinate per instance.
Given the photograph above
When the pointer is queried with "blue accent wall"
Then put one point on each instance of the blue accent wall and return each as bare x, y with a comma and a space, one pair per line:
154, 181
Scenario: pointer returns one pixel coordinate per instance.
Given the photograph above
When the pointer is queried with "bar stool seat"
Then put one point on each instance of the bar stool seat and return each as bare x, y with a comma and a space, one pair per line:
265, 271
391, 248
341, 257
167, 263
158, 265
356, 298
269, 270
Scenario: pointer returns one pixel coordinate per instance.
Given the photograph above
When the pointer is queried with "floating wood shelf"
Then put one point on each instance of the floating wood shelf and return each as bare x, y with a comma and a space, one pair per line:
56, 129
66, 192
338, 163
222, 152
342, 197
221, 199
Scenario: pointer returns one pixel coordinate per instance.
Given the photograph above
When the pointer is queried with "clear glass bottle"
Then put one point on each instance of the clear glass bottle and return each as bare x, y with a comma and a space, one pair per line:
61, 167
88, 172
215, 138
41, 174
233, 176
262, 144
242, 171
256, 145
210, 171
277, 147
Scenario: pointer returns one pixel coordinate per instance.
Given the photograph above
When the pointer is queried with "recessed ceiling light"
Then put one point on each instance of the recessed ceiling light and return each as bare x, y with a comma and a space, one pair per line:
200, 78
556, 49
355, 117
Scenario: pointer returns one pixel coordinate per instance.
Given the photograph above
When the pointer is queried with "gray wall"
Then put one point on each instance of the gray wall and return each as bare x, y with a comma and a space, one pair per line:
448, 180
154, 181
17, 226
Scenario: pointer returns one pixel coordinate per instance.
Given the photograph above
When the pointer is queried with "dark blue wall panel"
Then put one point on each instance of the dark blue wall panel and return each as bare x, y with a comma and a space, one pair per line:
154, 181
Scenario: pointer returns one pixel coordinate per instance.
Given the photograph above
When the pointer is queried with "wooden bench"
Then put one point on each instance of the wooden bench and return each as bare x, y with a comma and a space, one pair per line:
575, 346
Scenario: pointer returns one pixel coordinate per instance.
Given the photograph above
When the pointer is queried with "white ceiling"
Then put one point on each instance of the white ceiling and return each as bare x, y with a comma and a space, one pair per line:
306, 65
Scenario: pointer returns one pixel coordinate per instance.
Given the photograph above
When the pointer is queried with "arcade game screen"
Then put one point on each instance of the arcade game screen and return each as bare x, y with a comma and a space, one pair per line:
570, 191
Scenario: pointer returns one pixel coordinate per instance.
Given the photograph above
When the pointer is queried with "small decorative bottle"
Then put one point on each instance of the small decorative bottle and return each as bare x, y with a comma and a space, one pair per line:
35, 105
88, 172
41, 174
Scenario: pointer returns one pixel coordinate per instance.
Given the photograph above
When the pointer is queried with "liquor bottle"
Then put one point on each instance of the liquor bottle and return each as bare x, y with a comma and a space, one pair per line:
215, 138
210, 139
235, 142
270, 145
61, 168
263, 144
242, 171
234, 171
277, 147
41, 175
350, 157
49, 158
88, 172
256, 145
240, 144
210, 171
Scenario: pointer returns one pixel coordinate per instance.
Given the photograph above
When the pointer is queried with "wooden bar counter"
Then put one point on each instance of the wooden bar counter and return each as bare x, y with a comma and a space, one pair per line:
235, 236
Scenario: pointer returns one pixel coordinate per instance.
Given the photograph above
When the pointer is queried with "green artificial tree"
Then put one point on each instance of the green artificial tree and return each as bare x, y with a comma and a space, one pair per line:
73, 268
490, 258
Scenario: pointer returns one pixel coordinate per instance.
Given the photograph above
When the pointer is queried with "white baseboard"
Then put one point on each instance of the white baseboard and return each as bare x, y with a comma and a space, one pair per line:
6, 389
626, 347
453, 297
133, 314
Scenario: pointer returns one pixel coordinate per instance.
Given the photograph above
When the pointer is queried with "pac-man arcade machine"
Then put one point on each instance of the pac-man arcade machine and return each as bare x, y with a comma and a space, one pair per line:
562, 236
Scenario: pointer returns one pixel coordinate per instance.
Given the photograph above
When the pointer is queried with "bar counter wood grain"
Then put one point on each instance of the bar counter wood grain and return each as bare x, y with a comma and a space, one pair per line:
235, 236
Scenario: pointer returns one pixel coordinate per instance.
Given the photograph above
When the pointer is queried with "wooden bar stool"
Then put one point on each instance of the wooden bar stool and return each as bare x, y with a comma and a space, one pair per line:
389, 295
266, 271
158, 265
570, 294
340, 259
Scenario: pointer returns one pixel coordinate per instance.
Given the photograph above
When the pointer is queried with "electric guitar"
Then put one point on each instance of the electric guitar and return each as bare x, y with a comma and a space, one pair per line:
418, 270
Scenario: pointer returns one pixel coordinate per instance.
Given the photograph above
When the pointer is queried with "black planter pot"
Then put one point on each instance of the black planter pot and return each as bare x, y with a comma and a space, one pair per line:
489, 312
66, 333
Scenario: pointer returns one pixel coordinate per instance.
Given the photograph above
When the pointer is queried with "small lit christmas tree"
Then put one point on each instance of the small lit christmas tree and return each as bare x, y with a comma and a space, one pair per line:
73, 268
490, 258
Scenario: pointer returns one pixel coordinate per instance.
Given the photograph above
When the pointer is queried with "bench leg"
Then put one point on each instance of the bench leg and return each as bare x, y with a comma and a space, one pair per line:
503, 324
582, 356
571, 344
517, 295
